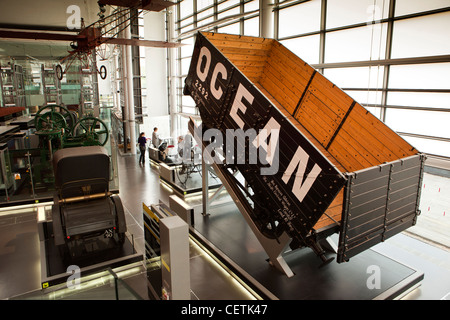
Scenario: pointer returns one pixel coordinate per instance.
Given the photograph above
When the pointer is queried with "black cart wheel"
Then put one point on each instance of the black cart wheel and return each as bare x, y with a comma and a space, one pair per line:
121, 224
59, 72
103, 73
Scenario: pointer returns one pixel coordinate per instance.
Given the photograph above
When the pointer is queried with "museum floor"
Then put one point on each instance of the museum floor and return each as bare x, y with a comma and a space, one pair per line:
20, 257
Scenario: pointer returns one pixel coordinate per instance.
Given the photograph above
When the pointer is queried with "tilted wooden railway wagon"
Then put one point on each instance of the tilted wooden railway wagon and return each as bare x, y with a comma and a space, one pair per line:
336, 167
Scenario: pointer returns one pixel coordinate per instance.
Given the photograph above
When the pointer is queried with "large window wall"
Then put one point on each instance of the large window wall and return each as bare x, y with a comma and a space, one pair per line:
231, 16
392, 56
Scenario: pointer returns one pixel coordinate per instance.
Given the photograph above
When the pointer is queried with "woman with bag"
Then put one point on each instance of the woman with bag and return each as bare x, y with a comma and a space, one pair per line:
142, 141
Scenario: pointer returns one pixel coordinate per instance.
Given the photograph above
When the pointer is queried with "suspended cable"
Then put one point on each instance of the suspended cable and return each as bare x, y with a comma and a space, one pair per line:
371, 50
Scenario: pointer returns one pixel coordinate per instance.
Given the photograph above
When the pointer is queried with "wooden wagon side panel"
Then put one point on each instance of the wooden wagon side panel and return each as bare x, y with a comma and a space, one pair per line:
354, 137
363, 141
323, 106
248, 54
294, 197
275, 83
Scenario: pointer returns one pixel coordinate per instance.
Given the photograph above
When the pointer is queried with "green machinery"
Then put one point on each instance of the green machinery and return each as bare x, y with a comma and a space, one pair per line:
30, 170
57, 127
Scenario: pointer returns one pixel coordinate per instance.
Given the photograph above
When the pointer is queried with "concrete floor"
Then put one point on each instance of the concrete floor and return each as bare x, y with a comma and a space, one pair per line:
434, 221
19, 252
425, 246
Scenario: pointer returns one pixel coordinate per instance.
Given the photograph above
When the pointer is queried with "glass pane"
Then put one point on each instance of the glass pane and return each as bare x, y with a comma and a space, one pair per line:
187, 22
203, 4
231, 12
251, 6
430, 123
185, 64
419, 99
440, 148
299, 19
187, 101
364, 77
421, 76
186, 8
375, 111
307, 48
403, 7
186, 29
251, 27
421, 36
190, 110
188, 48
227, 4
365, 97
348, 12
357, 44
231, 29
205, 21
204, 14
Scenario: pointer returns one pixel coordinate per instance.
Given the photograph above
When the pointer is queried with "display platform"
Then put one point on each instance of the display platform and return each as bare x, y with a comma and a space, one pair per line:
95, 257
188, 181
369, 275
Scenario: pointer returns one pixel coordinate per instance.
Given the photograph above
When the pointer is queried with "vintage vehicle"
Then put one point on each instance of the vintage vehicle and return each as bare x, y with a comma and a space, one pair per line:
328, 165
84, 208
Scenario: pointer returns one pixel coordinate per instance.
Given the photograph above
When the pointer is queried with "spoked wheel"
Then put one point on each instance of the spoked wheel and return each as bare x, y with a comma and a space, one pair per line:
50, 123
53, 113
92, 131
59, 72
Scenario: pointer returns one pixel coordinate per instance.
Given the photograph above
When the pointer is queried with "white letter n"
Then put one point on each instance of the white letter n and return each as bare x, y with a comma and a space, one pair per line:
299, 161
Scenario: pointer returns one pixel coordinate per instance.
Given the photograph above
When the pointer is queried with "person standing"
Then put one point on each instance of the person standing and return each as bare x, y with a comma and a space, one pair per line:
180, 146
155, 137
142, 141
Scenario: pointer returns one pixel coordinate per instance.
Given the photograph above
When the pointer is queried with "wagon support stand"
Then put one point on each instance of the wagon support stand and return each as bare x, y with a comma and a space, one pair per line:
324, 138
274, 246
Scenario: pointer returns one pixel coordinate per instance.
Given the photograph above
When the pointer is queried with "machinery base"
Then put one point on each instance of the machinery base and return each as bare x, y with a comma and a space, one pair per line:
54, 261
171, 177
239, 249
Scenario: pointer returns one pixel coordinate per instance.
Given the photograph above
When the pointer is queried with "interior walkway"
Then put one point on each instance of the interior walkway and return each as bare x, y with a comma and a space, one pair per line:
141, 184
20, 256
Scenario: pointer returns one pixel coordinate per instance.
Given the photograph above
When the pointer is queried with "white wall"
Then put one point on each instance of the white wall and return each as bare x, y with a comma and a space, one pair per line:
156, 77
156, 65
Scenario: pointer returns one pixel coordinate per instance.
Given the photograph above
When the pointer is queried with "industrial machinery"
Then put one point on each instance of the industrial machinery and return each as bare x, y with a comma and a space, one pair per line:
12, 85
84, 209
30, 142
58, 125
324, 165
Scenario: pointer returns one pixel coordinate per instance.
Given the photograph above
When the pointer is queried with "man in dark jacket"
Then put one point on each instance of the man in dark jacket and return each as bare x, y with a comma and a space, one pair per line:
142, 141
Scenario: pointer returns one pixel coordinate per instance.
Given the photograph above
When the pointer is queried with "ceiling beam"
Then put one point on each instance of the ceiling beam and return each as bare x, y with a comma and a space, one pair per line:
8, 34
36, 27
142, 43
